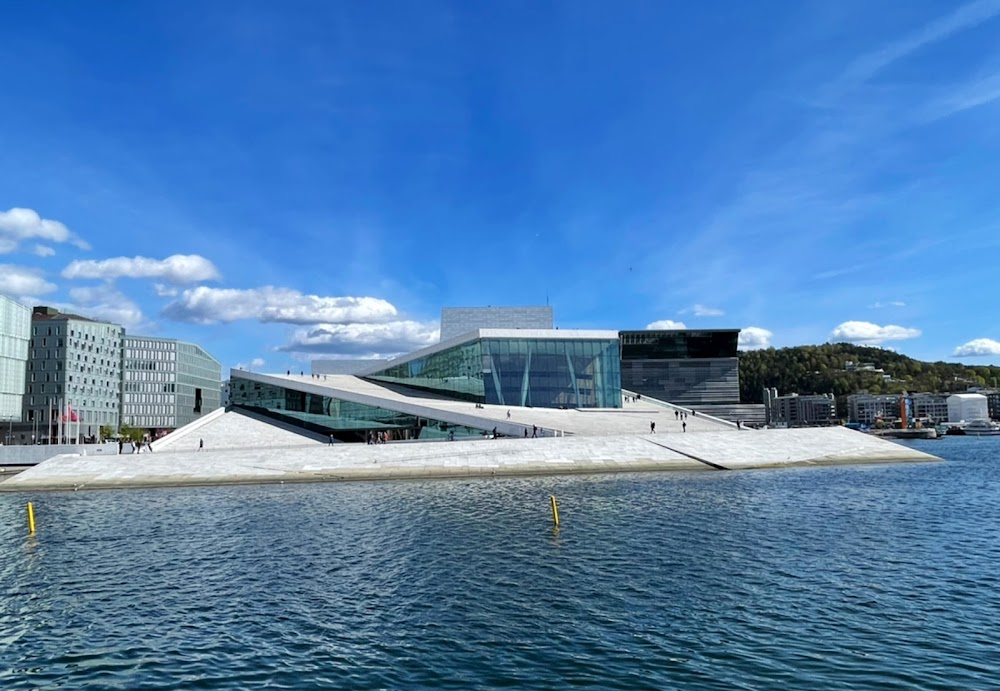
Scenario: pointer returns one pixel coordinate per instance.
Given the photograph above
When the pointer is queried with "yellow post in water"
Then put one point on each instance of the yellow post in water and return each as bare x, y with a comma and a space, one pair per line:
31, 519
555, 510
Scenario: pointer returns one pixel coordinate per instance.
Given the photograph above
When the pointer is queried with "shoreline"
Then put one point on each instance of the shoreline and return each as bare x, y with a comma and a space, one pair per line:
701, 452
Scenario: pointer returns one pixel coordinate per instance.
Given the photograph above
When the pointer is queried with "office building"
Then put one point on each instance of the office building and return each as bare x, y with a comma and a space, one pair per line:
865, 408
15, 334
456, 321
167, 383
685, 367
794, 410
932, 407
74, 375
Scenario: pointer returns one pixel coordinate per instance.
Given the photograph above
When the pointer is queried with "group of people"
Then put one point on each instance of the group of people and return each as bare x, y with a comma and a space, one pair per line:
137, 446
377, 437
633, 399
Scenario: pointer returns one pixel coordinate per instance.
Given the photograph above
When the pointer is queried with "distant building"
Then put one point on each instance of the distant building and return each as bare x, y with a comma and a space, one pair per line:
685, 366
966, 407
74, 375
866, 408
456, 321
226, 394
342, 366
15, 334
167, 383
794, 410
930, 406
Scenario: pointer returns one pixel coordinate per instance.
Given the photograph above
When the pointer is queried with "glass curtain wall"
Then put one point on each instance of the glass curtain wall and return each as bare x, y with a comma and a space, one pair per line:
556, 373
345, 420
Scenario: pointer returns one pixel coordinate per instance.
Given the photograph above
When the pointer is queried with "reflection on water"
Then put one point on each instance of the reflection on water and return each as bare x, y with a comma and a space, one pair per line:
857, 576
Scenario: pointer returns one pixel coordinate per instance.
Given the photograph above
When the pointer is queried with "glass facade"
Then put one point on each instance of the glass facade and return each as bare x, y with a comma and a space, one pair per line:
683, 367
544, 373
15, 332
167, 383
345, 420
74, 370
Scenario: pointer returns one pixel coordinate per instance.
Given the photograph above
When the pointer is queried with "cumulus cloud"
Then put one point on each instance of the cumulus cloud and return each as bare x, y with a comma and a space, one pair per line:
18, 225
256, 363
754, 338
665, 325
891, 303
104, 303
22, 281
42, 251
364, 339
866, 333
179, 268
978, 347
203, 305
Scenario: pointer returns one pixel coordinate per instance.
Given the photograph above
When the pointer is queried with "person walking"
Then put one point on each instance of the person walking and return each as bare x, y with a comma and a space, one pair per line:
494, 432
508, 415
534, 431
201, 444
331, 440
684, 427
652, 427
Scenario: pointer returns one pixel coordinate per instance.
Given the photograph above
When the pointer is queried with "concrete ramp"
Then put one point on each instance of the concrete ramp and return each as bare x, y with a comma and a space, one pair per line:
710, 452
234, 429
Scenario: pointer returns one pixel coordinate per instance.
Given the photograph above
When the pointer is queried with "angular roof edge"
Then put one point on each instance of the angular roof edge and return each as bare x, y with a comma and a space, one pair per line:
477, 334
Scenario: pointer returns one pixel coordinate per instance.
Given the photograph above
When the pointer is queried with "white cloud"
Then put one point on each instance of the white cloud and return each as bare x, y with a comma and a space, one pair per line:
165, 291
891, 303
364, 339
978, 347
22, 281
179, 268
204, 305
42, 251
965, 17
104, 303
703, 311
754, 338
17, 225
256, 363
867, 333
665, 325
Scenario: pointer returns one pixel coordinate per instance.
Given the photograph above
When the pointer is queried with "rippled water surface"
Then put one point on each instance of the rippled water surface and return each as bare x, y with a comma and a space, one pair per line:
847, 577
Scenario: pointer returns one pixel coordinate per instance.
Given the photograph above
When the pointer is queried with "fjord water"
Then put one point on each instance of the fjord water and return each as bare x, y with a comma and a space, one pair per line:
884, 576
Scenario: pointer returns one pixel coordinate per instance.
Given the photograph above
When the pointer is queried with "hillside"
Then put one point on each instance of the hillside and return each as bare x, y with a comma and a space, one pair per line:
821, 369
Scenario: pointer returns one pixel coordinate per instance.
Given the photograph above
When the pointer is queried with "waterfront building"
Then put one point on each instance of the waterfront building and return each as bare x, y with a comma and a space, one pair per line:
795, 410
865, 408
167, 383
696, 368
930, 406
544, 368
15, 334
74, 375
966, 407
456, 321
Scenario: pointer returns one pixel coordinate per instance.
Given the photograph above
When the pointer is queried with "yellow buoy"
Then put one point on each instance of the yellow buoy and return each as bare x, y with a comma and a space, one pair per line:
555, 510
31, 519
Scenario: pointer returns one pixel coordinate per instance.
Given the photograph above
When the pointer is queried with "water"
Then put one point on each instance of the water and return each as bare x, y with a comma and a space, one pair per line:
846, 577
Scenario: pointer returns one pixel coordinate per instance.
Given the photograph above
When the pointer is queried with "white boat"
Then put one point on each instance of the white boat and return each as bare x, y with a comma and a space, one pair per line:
982, 428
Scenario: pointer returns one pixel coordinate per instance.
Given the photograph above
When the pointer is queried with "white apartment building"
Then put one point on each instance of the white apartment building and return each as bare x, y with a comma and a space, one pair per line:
966, 407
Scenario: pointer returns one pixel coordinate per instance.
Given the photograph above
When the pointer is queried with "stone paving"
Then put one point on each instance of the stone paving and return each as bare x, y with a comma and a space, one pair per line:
502, 457
231, 430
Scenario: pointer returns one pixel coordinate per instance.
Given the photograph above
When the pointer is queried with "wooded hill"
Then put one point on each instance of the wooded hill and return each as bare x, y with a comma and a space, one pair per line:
822, 369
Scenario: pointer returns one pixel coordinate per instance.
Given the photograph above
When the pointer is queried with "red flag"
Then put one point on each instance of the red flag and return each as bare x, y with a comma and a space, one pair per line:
70, 414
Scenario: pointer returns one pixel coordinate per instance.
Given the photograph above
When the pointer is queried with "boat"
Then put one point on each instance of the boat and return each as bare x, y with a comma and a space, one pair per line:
976, 428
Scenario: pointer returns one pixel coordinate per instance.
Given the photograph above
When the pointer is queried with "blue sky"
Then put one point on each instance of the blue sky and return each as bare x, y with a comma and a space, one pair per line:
285, 181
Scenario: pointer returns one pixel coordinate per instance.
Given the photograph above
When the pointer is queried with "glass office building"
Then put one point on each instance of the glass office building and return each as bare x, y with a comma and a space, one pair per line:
543, 368
15, 332
686, 367
346, 421
167, 383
